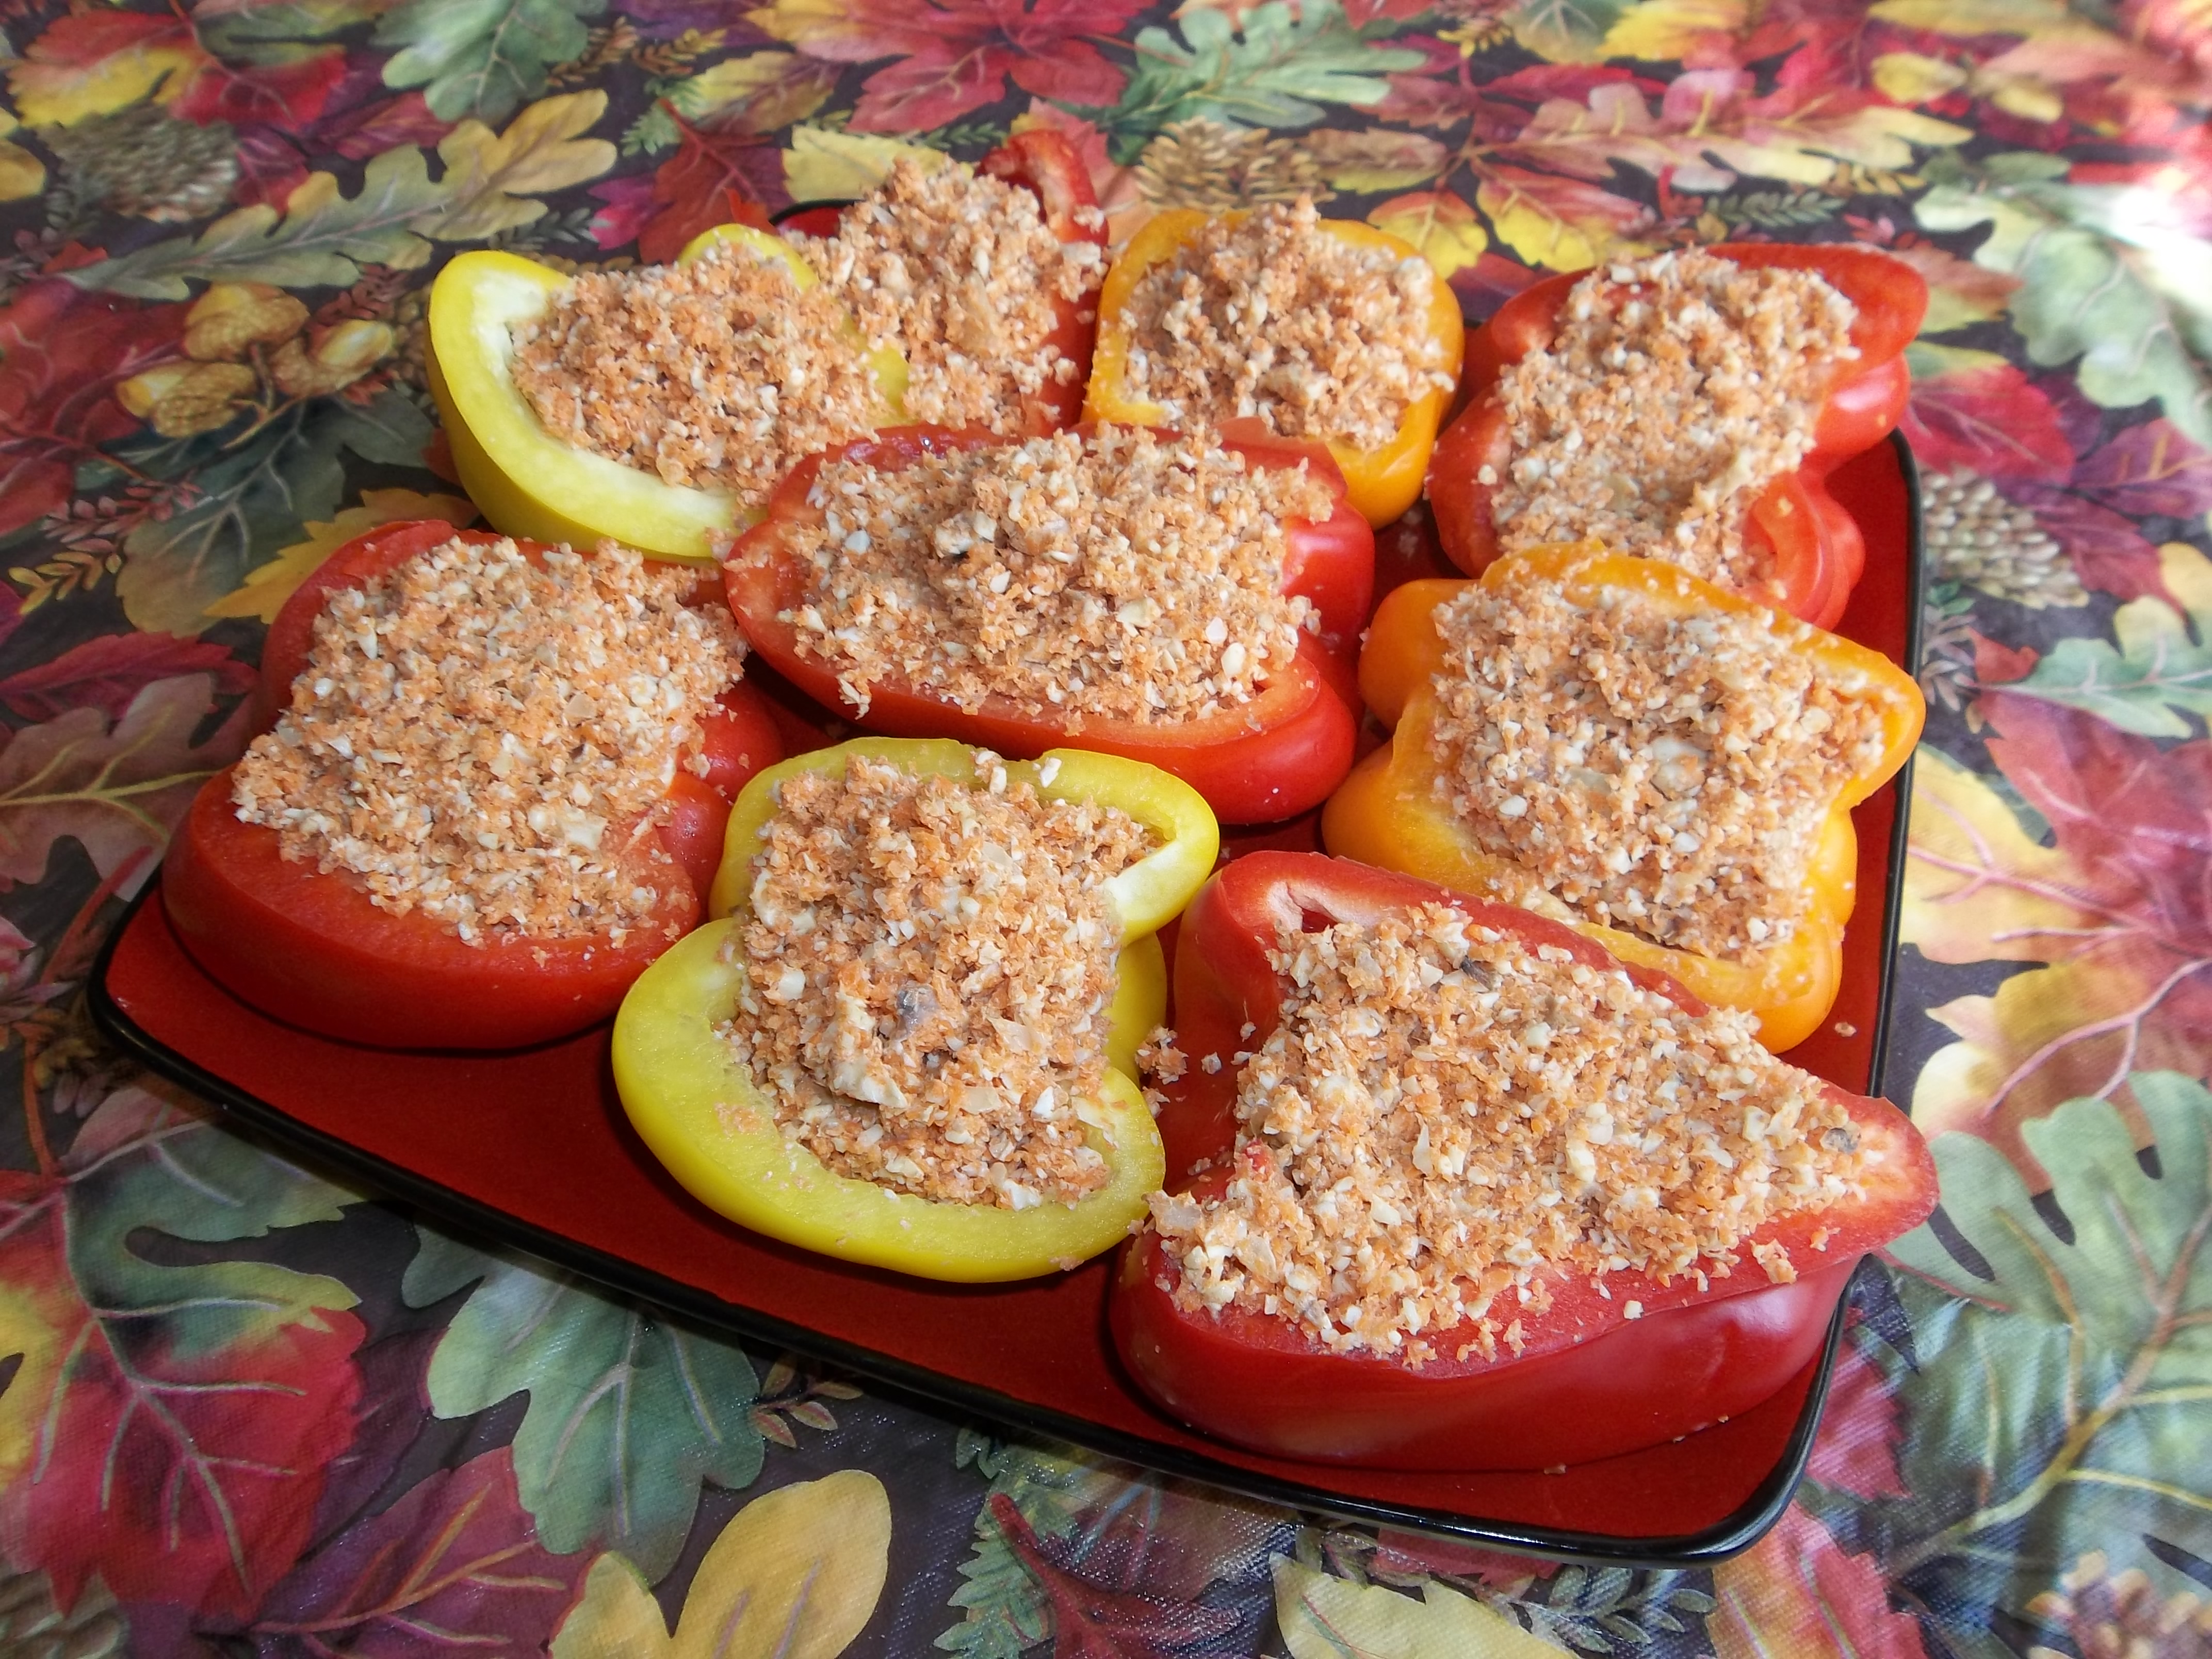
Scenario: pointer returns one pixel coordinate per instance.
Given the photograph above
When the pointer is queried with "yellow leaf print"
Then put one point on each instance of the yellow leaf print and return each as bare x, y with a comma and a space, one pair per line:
822, 166
1664, 30
490, 178
1323, 1617
795, 1575
1441, 226
267, 586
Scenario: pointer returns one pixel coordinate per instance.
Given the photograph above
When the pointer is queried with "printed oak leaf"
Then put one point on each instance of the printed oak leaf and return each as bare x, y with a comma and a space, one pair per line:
322, 237
796, 1574
2118, 903
167, 1425
264, 590
1975, 410
115, 789
1277, 69
481, 57
2159, 671
2120, 292
627, 1414
1324, 1617
451, 1561
2063, 1356
1797, 1592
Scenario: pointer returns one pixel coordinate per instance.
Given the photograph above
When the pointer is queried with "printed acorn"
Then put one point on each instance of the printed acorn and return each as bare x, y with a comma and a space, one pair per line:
239, 335
2120, 1616
1977, 536
1203, 164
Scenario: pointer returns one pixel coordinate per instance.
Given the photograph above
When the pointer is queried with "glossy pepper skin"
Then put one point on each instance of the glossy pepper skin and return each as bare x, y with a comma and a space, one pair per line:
1382, 482
1817, 548
699, 1112
528, 481
1270, 758
1590, 1382
1388, 811
310, 948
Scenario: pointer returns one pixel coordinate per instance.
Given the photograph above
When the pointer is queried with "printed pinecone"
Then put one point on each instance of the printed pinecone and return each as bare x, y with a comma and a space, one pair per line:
1203, 164
143, 162
2120, 1616
1977, 536
33, 1627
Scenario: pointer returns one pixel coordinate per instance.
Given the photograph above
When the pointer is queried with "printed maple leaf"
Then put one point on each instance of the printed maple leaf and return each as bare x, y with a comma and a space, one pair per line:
957, 56
94, 62
63, 353
1797, 1592
166, 1426
1095, 1620
716, 177
453, 1562
1976, 410
115, 790
107, 674
2117, 904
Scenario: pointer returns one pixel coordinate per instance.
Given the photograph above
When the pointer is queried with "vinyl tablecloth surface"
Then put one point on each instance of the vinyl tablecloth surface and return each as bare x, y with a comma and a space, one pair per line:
245, 1410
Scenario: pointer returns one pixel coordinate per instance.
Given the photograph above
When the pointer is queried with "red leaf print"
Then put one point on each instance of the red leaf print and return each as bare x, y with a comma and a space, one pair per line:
957, 55
172, 1421
2109, 553
63, 352
388, 124
156, 50
107, 672
270, 166
288, 96
454, 1562
1860, 1432
1796, 1592
1413, 1555
2152, 468
1987, 419
713, 179
1093, 1621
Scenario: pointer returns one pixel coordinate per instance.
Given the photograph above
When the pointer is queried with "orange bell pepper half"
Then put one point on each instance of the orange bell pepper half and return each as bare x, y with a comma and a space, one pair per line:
1817, 550
1381, 482
1392, 812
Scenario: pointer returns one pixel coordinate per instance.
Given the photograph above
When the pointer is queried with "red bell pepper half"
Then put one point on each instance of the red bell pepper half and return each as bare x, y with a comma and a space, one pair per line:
1270, 758
1044, 163
1816, 546
310, 948
1591, 1382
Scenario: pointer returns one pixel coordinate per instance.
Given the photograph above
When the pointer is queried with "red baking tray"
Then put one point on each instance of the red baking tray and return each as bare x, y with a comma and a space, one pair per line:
531, 1149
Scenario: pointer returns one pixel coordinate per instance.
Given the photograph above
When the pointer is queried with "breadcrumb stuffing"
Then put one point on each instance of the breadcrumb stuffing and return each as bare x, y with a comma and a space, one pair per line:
1678, 388
1269, 316
928, 968
1117, 575
718, 374
491, 740
1669, 775
959, 272
1158, 1061
1444, 1116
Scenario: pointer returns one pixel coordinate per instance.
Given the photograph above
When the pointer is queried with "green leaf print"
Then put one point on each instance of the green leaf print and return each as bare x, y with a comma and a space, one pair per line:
482, 57
2159, 670
627, 1414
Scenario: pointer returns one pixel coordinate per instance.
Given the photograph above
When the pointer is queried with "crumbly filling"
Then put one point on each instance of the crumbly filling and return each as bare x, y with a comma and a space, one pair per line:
1446, 1123
960, 272
1679, 386
491, 740
1117, 576
1270, 316
928, 968
718, 374
1666, 774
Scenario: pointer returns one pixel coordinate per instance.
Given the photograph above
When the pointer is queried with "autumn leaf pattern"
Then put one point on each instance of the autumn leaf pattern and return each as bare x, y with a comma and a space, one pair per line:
242, 1411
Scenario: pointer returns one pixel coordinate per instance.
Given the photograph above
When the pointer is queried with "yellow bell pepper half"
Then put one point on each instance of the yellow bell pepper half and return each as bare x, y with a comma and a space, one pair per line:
1390, 812
701, 1114
1382, 482
526, 481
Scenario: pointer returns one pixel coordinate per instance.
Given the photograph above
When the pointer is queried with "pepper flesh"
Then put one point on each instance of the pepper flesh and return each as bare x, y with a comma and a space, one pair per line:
526, 481
1592, 1379
698, 1110
1270, 758
1390, 812
310, 947
1818, 549
1381, 482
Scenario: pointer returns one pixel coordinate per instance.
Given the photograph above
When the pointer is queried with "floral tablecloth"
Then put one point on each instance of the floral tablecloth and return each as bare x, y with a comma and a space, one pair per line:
245, 1410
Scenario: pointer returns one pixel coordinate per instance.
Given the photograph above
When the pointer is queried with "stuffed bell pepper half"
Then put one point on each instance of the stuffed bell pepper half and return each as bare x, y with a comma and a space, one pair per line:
1190, 605
491, 787
1451, 1187
1279, 322
1687, 406
911, 1039
1624, 747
